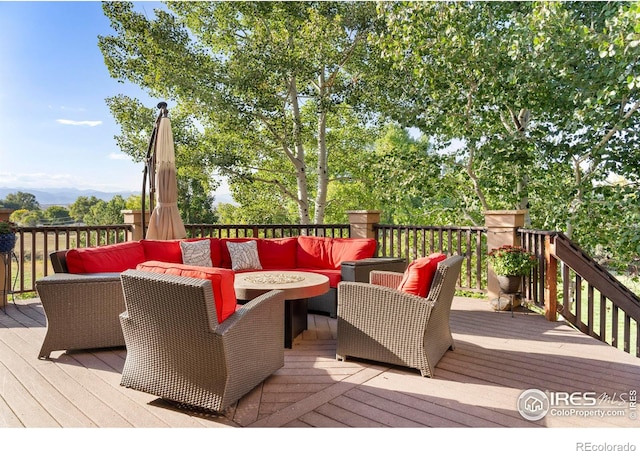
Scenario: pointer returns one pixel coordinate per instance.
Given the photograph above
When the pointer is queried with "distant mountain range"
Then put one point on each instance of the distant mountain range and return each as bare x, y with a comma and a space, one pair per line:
67, 196
63, 196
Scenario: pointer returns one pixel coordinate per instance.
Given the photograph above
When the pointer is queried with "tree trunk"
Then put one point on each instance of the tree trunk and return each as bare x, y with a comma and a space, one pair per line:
299, 157
323, 173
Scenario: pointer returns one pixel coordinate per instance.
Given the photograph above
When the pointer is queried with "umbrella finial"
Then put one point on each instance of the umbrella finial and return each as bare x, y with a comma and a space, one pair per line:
162, 106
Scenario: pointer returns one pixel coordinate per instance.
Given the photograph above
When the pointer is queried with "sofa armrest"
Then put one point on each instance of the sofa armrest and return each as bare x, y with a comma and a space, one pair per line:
59, 261
358, 270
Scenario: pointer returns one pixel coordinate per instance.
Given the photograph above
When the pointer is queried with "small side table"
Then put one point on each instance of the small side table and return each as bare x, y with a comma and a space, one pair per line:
6, 288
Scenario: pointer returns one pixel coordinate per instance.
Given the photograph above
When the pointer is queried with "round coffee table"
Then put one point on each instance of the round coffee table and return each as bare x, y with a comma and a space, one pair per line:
297, 286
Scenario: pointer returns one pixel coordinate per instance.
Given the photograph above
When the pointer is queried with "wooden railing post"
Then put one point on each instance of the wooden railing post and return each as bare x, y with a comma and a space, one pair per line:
134, 218
361, 223
550, 281
502, 229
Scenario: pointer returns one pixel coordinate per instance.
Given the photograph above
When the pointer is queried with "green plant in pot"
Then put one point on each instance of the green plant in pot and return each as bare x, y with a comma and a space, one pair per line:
510, 263
7, 236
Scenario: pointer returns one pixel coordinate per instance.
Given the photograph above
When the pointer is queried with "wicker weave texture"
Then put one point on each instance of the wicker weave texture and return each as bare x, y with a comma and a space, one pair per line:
82, 312
177, 350
386, 325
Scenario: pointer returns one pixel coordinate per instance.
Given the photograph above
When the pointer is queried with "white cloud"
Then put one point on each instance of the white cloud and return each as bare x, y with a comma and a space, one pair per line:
81, 123
44, 181
118, 156
36, 180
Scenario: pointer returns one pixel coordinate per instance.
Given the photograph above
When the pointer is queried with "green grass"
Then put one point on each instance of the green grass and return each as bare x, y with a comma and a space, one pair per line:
634, 286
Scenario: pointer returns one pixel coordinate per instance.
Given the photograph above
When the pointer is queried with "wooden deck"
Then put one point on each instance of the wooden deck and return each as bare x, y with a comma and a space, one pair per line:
477, 385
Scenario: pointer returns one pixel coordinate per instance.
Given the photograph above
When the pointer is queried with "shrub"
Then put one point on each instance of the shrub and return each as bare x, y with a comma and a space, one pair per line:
511, 261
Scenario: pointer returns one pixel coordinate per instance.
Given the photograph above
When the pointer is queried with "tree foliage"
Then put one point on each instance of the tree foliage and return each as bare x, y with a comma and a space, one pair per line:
305, 106
104, 213
20, 200
57, 215
542, 97
261, 79
81, 207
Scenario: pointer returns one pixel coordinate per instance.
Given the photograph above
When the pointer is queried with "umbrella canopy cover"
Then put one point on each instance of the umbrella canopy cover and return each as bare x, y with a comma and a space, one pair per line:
165, 222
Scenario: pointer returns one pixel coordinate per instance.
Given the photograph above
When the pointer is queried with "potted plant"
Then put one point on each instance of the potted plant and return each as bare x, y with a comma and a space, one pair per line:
510, 263
7, 236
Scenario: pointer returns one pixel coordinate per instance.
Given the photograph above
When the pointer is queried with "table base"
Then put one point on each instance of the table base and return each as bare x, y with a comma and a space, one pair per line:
295, 319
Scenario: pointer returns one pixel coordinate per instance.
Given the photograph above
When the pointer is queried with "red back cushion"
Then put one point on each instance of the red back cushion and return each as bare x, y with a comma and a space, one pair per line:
348, 249
221, 279
216, 251
314, 252
419, 274
329, 253
162, 250
278, 253
110, 258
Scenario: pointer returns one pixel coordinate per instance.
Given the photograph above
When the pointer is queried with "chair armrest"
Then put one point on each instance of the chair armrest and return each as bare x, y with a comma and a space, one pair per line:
253, 336
358, 270
381, 308
265, 311
388, 279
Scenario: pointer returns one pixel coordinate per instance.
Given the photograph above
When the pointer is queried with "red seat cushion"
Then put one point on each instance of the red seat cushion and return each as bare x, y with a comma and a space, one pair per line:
110, 258
334, 275
221, 279
419, 274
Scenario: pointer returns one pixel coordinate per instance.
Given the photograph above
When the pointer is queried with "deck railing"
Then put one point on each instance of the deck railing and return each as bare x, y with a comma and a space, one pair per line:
587, 296
412, 242
584, 293
266, 230
30, 260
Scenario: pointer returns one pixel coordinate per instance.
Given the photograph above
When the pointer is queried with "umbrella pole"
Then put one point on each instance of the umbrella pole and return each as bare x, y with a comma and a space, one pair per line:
150, 166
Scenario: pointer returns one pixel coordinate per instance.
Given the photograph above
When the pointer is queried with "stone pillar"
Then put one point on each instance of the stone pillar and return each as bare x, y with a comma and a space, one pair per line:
5, 284
361, 223
502, 229
134, 218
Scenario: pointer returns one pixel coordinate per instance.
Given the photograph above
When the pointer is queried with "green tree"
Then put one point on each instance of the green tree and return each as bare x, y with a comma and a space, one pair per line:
27, 218
541, 96
20, 200
57, 215
245, 71
106, 213
81, 207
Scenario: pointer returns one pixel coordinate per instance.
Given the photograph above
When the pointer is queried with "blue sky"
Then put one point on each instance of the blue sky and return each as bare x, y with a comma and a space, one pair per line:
55, 127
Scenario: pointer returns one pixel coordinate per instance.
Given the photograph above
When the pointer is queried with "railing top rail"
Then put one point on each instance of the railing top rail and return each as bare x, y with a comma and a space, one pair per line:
419, 227
539, 232
62, 228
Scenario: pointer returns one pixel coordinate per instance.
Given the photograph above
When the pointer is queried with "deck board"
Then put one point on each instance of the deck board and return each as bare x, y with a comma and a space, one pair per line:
497, 356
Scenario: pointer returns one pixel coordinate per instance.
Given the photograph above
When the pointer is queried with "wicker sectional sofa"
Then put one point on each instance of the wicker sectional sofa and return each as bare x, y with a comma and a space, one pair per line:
83, 298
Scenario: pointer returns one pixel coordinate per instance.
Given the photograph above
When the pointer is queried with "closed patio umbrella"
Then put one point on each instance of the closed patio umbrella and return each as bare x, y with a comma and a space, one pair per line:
165, 222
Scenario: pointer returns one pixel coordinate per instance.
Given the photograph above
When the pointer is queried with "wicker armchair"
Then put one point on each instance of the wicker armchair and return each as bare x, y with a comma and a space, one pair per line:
377, 322
177, 350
